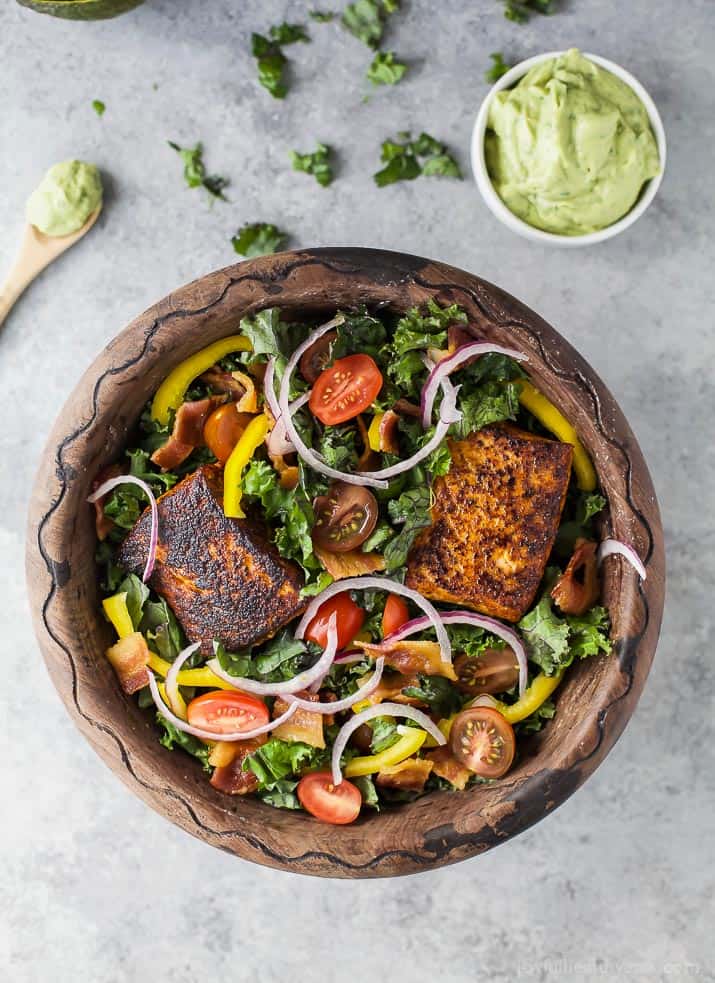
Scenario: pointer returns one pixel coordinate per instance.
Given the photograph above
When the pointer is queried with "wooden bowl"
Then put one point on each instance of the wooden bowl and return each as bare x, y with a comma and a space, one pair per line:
595, 701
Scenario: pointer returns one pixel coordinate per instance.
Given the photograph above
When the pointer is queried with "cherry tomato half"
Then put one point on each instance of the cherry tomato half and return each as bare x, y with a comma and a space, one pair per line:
347, 388
344, 518
483, 741
224, 711
395, 615
350, 618
314, 359
338, 804
223, 429
493, 671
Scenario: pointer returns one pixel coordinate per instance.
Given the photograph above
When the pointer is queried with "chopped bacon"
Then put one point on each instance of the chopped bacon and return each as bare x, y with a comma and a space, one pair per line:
303, 725
409, 775
405, 408
390, 689
446, 766
188, 432
350, 564
129, 658
102, 523
577, 588
231, 778
239, 387
411, 657
289, 477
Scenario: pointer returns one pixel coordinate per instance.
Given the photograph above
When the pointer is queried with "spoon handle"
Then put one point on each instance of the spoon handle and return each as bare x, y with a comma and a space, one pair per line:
12, 288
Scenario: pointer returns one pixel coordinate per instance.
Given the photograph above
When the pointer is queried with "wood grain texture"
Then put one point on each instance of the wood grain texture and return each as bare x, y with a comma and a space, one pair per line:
594, 703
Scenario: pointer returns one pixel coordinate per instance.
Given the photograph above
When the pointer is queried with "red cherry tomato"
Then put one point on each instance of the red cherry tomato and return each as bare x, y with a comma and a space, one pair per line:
344, 518
225, 712
483, 741
345, 389
350, 618
338, 804
395, 615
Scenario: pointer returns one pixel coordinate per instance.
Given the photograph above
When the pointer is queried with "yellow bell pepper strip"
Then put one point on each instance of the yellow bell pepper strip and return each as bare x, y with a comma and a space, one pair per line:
115, 607
373, 433
202, 677
170, 394
445, 725
251, 438
411, 741
547, 414
180, 709
540, 689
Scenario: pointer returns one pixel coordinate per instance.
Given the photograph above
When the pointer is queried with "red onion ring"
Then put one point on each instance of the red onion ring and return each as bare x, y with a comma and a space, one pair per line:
360, 694
129, 479
457, 617
171, 684
379, 710
611, 547
212, 735
277, 441
342, 659
301, 681
269, 392
391, 587
442, 369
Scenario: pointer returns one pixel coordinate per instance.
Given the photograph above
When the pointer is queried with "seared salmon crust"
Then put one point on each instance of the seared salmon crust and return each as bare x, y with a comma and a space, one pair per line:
222, 577
494, 521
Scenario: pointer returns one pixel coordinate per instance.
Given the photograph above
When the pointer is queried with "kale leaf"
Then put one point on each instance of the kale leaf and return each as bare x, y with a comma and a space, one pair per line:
579, 512
423, 329
137, 595
411, 510
367, 791
489, 403
385, 69
195, 170
438, 692
258, 239
318, 164
276, 760
177, 738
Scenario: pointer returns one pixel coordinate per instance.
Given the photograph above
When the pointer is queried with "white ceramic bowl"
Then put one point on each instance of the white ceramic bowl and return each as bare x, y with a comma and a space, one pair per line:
508, 218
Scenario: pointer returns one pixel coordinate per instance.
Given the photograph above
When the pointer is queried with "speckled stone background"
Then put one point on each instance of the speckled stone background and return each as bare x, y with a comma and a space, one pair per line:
618, 884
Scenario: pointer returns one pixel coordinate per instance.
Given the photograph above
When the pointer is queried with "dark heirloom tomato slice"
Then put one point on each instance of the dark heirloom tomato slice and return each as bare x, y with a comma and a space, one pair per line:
493, 671
350, 618
225, 712
395, 615
483, 741
338, 804
314, 359
347, 388
223, 429
344, 518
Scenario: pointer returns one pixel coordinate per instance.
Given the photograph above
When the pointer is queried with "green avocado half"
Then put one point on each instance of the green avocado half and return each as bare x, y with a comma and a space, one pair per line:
81, 9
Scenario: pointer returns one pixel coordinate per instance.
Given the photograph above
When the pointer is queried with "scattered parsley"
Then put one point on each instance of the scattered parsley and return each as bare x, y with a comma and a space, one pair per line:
408, 160
195, 171
365, 19
322, 16
385, 70
498, 68
98, 106
318, 164
518, 11
258, 239
269, 55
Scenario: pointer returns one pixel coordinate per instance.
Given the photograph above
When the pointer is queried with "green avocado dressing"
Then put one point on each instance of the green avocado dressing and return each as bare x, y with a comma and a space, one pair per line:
569, 148
65, 198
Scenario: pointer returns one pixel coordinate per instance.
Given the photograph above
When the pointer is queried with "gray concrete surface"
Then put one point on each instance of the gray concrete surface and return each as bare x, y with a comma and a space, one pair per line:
618, 884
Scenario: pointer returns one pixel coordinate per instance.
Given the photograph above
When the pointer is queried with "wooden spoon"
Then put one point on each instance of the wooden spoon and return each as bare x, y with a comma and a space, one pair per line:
36, 252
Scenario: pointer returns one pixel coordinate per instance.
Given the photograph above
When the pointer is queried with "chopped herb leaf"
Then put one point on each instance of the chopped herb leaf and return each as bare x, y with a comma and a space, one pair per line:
271, 61
498, 68
288, 33
195, 170
365, 19
318, 164
98, 106
385, 69
258, 239
322, 16
402, 160
518, 11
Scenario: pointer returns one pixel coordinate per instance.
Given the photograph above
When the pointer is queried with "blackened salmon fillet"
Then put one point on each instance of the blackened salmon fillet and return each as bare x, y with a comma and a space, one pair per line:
494, 521
222, 577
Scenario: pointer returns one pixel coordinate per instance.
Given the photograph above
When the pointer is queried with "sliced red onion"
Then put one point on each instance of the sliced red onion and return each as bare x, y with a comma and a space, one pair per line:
129, 479
308, 455
391, 587
347, 658
442, 369
360, 694
484, 700
457, 617
379, 710
278, 442
171, 683
212, 735
301, 681
269, 391
609, 547
448, 414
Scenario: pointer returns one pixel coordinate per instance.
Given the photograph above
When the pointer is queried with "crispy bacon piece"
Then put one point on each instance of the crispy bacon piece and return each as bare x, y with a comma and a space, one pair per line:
446, 766
368, 460
494, 521
239, 387
578, 587
129, 658
411, 657
405, 408
231, 778
409, 775
388, 433
303, 725
102, 523
390, 690
188, 432
354, 563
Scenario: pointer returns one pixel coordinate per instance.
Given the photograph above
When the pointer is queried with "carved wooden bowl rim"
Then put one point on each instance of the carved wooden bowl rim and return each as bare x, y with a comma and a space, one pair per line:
595, 701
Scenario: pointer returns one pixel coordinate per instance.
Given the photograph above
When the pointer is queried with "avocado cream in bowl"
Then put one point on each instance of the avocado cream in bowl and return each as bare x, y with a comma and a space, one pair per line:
568, 149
